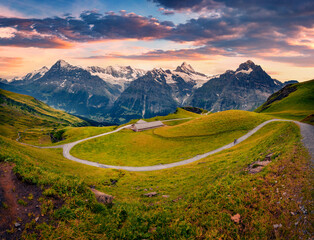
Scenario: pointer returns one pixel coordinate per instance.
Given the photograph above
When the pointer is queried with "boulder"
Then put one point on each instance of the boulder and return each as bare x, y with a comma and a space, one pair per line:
102, 197
236, 218
151, 194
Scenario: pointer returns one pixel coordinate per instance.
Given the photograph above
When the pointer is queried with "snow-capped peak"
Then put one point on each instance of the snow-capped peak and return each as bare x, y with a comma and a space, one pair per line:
43, 70
32, 76
246, 65
185, 67
36, 74
61, 64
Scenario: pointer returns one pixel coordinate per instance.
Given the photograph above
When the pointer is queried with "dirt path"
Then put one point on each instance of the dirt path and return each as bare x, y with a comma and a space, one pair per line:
19, 203
7, 198
307, 132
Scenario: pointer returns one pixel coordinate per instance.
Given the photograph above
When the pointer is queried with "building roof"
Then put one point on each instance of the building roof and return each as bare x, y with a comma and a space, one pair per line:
141, 121
148, 125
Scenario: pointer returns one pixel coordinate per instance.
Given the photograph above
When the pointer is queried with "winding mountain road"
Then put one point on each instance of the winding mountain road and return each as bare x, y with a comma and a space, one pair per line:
307, 132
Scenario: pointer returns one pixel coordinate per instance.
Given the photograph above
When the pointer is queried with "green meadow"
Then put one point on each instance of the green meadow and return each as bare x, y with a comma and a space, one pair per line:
171, 143
193, 201
298, 105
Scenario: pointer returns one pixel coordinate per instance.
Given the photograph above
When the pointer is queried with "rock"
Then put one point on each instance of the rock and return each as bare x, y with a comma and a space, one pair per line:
236, 218
277, 225
17, 224
113, 181
303, 209
151, 194
255, 169
268, 157
177, 199
103, 197
264, 163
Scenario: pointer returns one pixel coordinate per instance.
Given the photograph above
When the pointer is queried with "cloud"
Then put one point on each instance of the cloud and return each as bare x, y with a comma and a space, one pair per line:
10, 62
291, 7
166, 11
90, 26
200, 53
7, 32
178, 4
228, 28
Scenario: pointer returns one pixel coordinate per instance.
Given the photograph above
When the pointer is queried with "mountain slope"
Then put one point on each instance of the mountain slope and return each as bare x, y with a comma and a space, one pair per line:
73, 89
158, 92
294, 101
246, 88
146, 97
30, 77
19, 112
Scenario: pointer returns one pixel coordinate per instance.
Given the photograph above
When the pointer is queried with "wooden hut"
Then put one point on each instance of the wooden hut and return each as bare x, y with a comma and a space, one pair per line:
142, 125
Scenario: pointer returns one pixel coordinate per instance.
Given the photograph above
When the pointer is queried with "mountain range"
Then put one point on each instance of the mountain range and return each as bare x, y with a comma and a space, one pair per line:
117, 94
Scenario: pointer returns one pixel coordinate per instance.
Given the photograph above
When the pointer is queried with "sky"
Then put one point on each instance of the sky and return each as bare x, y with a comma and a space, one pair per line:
211, 35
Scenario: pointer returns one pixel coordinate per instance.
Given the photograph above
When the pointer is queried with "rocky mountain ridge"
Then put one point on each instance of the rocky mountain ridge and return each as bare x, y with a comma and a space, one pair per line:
120, 93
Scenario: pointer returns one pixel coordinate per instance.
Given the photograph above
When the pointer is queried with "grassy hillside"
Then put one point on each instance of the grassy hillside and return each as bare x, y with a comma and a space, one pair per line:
294, 101
171, 143
20, 112
179, 113
71, 134
195, 201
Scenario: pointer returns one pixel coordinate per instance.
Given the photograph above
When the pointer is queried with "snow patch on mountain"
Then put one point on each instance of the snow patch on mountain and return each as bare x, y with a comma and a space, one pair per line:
116, 75
32, 76
63, 65
244, 71
63, 83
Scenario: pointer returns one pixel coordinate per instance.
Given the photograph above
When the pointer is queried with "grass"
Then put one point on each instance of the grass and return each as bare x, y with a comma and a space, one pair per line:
202, 196
194, 201
179, 113
297, 105
19, 112
217, 123
71, 134
76, 133
168, 144
40, 136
